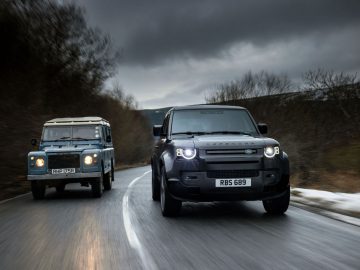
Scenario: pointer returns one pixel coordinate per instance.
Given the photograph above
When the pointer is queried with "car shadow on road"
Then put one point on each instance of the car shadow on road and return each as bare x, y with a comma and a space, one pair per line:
226, 210
72, 194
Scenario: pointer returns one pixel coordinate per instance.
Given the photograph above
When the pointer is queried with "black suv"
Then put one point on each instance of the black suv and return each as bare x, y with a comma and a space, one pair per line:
217, 153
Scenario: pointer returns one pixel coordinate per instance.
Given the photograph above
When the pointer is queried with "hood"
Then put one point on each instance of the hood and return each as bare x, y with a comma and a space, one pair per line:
231, 141
67, 148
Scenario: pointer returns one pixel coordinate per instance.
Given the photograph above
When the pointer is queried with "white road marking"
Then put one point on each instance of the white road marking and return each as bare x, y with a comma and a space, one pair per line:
16, 197
145, 257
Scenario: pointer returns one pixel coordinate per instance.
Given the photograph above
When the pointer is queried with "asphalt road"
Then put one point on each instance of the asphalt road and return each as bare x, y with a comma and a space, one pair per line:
125, 230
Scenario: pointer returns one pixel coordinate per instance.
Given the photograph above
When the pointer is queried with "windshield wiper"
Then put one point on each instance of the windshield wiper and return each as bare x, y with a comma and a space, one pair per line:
58, 140
229, 132
190, 133
85, 139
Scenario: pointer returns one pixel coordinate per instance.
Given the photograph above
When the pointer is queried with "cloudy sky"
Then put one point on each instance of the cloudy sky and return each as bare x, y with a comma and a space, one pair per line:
175, 51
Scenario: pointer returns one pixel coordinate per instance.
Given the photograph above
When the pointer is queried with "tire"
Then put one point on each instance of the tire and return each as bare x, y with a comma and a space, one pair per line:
108, 180
97, 187
60, 188
155, 186
169, 205
38, 190
278, 206
112, 171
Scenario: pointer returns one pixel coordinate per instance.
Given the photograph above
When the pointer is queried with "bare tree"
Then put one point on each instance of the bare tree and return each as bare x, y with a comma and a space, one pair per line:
270, 84
339, 85
117, 92
248, 85
251, 85
327, 79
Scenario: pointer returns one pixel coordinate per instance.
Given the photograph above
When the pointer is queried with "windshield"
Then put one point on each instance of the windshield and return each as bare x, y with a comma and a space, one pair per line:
71, 133
212, 121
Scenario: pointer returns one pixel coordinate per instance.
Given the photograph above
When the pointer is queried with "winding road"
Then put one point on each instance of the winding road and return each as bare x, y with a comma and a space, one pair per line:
125, 230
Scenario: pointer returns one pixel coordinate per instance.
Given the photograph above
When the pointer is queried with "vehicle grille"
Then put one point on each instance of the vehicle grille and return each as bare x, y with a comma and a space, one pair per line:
232, 174
64, 161
231, 151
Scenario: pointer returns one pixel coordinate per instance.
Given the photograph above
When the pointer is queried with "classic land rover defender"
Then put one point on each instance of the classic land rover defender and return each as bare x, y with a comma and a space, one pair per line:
217, 153
72, 150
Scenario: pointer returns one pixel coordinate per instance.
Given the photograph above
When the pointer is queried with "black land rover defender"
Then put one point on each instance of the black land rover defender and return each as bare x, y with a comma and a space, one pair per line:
217, 153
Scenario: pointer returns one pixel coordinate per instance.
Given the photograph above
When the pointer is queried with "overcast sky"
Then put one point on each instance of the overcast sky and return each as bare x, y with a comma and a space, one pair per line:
173, 52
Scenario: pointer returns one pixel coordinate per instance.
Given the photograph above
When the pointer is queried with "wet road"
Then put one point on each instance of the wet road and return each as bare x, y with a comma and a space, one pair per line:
125, 230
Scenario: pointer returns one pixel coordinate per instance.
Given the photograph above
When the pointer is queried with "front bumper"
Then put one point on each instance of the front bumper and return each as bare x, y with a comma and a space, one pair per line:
203, 188
195, 180
64, 176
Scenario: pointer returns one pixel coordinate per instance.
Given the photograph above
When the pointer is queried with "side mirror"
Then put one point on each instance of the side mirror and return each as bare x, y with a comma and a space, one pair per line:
108, 138
33, 142
262, 128
157, 130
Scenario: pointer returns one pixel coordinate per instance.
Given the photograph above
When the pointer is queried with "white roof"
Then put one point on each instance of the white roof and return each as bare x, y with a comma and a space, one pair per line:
69, 121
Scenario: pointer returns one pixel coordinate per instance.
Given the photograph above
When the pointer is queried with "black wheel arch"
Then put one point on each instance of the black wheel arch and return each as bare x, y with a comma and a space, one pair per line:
285, 164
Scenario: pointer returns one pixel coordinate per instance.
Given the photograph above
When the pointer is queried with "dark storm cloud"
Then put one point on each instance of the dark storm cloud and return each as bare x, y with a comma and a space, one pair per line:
175, 51
152, 31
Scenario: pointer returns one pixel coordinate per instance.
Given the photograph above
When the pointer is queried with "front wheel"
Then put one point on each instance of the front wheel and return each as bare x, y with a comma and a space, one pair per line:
155, 186
38, 190
112, 171
278, 206
169, 205
108, 180
97, 188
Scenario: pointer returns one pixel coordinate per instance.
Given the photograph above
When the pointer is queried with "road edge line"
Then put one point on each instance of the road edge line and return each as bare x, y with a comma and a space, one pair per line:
13, 198
333, 215
133, 240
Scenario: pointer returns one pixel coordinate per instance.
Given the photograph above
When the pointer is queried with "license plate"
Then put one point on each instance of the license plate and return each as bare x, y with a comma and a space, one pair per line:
236, 182
63, 171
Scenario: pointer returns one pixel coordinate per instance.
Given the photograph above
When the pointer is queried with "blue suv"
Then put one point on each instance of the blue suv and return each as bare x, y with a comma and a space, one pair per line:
72, 150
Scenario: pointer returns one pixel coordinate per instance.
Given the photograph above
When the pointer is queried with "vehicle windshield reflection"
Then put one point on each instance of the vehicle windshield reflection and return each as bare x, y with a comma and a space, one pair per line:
212, 121
57, 133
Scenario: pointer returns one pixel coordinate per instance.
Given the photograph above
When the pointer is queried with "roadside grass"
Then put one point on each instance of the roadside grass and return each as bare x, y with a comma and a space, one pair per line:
335, 181
340, 171
346, 157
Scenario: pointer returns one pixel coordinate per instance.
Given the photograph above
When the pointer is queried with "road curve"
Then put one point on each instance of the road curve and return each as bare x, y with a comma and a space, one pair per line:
125, 230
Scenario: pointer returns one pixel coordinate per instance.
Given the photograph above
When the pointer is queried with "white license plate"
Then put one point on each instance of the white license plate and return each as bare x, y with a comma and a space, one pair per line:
63, 171
235, 182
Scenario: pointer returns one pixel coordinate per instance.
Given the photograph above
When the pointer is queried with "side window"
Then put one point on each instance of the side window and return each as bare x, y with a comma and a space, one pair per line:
108, 132
103, 133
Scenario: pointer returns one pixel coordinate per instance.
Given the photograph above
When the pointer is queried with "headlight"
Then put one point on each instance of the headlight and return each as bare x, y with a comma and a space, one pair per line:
88, 160
271, 151
188, 153
40, 162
